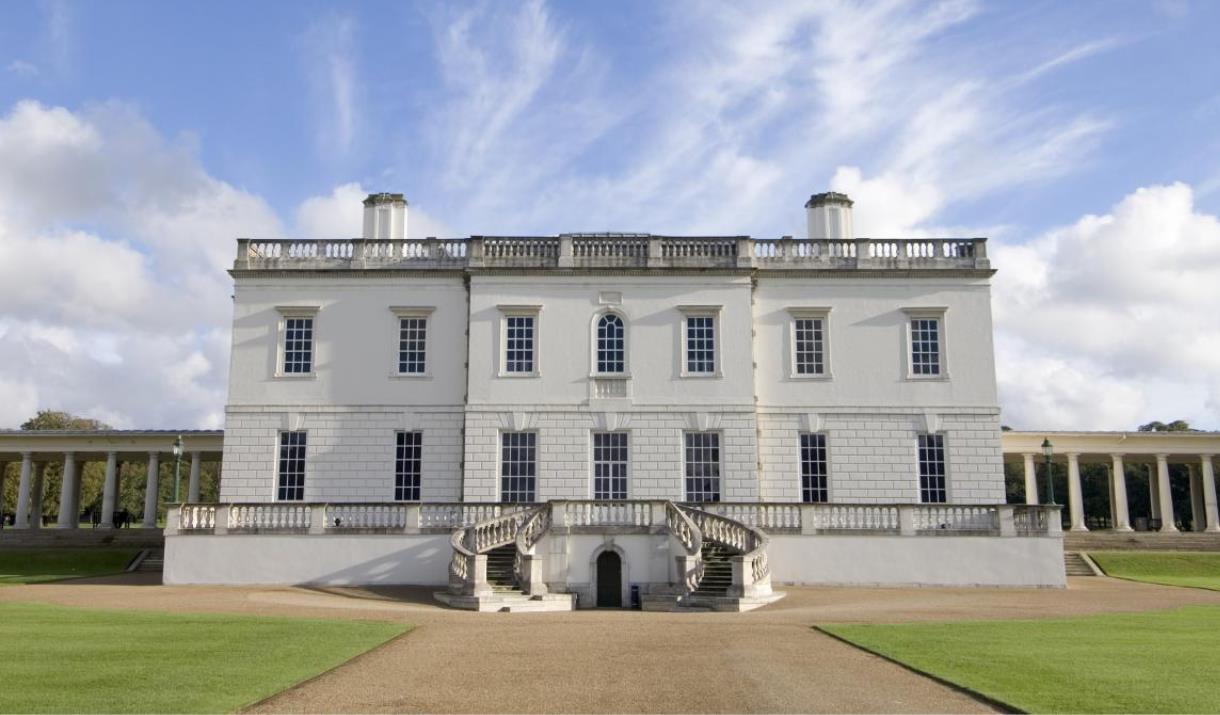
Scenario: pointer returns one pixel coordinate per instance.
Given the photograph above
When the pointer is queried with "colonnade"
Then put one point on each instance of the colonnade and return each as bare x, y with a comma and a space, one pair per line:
1204, 515
30, 488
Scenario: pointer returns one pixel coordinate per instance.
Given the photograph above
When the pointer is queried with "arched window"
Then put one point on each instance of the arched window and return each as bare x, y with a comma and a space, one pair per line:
611, 345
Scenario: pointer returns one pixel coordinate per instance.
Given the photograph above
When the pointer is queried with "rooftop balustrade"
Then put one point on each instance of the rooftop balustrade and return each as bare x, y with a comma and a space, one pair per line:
613, 251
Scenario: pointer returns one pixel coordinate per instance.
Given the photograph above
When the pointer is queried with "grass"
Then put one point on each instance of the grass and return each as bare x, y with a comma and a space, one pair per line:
1171, 568
1152, 662
84, 660
41, 565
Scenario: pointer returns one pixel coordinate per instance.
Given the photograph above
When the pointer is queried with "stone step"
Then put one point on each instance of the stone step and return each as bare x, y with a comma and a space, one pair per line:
1075, 565
1140, 541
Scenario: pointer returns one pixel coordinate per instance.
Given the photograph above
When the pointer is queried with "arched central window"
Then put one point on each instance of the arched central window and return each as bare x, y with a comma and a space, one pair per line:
611, 345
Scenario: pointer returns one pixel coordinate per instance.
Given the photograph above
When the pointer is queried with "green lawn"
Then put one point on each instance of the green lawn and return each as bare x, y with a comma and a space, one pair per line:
39, 565
1153, 662
1172, 568
82, 660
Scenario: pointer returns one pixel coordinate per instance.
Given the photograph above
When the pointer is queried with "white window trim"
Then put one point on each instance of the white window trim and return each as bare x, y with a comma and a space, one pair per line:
593, 477
818, 313
941, 314
948, 474
507, 311
593, 372
701, 311
275, 468
398, 312
720, 480
281, 335
537, 462
830, 486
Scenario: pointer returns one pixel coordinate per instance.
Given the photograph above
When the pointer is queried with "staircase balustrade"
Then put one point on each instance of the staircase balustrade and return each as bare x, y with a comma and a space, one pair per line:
751, 569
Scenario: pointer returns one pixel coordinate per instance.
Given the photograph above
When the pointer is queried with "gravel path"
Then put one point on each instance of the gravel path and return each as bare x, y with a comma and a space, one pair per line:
619, 661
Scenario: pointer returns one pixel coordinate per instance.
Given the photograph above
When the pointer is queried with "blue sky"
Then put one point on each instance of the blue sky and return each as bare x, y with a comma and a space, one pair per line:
1081, 137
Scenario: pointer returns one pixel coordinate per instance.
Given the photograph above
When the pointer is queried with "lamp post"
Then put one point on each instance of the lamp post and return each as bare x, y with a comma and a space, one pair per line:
177, 462
1048, 451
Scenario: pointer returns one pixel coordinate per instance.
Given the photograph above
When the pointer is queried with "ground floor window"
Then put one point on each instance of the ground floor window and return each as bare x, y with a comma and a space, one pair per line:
407, 463
609, 465
518, 466
291, 467
932, 469
702, 466
813, 468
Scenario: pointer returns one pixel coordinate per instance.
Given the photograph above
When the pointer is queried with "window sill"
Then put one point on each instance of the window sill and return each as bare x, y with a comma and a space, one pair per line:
410, 376
295, 376
519, 375
825, 377
702, 375
927, 378
609, 376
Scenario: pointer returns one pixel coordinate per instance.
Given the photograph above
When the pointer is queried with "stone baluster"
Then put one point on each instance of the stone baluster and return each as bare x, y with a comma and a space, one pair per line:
1031, 479
1166, 501
192, 489
1118, 487
22, 519
151, 491
69, 514
110, 490
1209, 493
1075, 493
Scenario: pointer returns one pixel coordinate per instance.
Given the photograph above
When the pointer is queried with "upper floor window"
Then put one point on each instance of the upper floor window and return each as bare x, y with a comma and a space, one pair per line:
700, 340
926, 342
932, 469
809, 342
297, 341
291, 468
411, 357
610, 465
814, 487
611, 345
520, 340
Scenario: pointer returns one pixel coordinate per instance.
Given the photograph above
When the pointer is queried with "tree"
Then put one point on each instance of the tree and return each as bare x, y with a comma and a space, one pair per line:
53, 419
1175, 426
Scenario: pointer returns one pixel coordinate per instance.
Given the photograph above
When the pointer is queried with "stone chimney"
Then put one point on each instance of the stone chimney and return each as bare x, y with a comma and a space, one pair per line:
385, 216
829, 216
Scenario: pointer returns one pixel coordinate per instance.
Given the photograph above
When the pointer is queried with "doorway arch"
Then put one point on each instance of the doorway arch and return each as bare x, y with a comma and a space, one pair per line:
608, 576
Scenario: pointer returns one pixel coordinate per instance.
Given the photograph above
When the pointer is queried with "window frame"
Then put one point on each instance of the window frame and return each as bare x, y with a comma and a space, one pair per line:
519, 311
806, 490
595, 353
399, 461
920, 448
398, 314
295, 312
700, 311
809, 313
719, 463
501, 462
626, 464
940, 315
281, 459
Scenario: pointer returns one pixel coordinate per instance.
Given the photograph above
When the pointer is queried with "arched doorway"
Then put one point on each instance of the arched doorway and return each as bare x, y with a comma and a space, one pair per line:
609, 580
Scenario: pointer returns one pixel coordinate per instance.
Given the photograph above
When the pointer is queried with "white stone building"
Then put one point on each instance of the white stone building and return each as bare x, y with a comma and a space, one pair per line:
833, 398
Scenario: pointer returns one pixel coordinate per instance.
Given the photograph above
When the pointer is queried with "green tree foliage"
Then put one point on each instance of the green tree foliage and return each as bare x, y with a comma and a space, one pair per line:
1175, 426
52, 419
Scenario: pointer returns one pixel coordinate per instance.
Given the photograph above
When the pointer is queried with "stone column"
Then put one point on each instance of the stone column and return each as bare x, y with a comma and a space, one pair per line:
1031, 479
1209, 493
1196, 498
69, 517
1075, 493
151, 491
109, 490
22, 519
1166, 500
36, 496
1118, 489
192, 489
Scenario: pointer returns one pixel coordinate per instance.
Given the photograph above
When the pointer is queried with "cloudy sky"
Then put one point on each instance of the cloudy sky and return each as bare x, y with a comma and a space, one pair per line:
138, 139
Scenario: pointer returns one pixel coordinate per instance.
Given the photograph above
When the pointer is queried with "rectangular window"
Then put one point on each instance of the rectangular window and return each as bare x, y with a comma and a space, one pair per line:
408, 460
700, 344
298, 345
702, 466
291, 466
808, 341
412, 338
925, 346
518, 466
932, 469
519, 343
814, 486
609, 465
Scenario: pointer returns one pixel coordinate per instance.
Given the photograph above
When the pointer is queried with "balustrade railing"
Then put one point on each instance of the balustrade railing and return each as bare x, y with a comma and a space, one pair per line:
269, 517
366, 516
752, 573
854, 517
950, 519
772, 517
613, 251
197, 516
607, 513
1030, 520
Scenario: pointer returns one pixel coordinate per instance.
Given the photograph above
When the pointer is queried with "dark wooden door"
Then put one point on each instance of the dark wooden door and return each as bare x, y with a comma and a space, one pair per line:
609, 580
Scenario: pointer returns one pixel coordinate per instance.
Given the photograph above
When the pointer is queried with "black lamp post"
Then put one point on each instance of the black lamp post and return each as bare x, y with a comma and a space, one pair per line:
1048, 451
177, 461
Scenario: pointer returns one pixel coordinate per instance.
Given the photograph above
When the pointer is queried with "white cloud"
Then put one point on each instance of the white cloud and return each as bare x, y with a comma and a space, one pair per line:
21, 68
340, 214
1111, 322
330, 49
